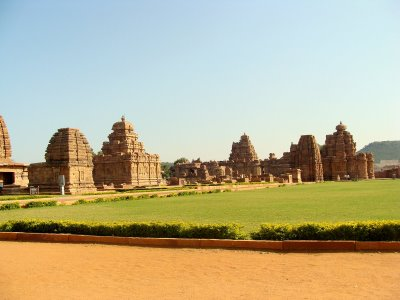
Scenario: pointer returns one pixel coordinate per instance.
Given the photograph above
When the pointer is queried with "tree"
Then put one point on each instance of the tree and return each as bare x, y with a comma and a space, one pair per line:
182, 160
166, 169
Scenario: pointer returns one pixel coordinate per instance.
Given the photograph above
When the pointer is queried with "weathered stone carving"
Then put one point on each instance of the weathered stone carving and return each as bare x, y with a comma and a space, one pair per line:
12, 174
307, 158
68, 154
303, 161
124, 162
340, 159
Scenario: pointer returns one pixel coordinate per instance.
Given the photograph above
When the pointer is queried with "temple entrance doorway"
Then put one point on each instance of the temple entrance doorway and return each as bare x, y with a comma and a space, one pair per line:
7, 178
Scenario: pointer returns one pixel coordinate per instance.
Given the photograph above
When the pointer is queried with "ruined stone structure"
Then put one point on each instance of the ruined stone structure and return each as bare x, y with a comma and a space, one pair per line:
201, 172
393, 172
68, 153
303, 161
124, 162
340, 159
12, 174
243, 165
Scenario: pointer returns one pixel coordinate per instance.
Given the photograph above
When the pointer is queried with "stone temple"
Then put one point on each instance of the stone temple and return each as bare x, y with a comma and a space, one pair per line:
68, 153
303, 162
12, 174
124, 161
243, 159
340, 159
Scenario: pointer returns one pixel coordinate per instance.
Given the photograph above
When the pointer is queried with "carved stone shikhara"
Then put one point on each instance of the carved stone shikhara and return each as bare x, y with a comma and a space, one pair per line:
340, 160
303, 161
124, 161
68, 153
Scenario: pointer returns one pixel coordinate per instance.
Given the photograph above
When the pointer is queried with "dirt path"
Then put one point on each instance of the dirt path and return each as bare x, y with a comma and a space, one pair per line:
76, 271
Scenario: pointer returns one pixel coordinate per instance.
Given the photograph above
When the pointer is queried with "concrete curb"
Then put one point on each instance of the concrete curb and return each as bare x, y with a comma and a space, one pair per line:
285, 246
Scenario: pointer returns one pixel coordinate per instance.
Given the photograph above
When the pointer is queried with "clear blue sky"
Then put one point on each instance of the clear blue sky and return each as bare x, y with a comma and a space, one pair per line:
192, 76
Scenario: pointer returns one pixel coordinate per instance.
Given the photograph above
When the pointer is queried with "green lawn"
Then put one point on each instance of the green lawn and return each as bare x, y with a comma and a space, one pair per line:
330, 202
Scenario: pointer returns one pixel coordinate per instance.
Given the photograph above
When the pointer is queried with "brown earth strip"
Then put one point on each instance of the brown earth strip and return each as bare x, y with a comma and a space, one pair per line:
87, 271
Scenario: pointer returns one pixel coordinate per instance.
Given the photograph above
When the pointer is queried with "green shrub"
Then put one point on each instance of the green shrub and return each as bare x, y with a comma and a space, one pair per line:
39, 204
151, 229
171, 195
359, 231
212, 192
102, 200
80, 201
8, 206
187, 193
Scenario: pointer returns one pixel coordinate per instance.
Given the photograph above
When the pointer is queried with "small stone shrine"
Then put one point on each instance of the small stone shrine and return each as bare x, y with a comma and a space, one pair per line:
68, 153
12, 174
124, 162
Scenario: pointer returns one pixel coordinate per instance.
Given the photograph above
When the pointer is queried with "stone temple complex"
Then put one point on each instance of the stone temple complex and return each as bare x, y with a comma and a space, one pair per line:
124, 161
340, 159
305, 161
12, 174
68, 153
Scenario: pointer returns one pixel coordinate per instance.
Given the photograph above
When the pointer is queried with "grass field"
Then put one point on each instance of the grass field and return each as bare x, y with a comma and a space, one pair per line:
327, 202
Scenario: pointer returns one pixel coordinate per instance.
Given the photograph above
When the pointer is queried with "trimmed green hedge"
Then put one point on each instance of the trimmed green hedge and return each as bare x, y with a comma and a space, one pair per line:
39, 204
359, 231
8, 206
151, 229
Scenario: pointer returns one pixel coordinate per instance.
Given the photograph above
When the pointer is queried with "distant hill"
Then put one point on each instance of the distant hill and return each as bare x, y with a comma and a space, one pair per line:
387, 150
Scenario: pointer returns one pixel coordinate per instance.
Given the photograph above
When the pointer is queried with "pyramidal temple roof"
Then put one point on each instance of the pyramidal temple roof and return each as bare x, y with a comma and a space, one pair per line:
68, 145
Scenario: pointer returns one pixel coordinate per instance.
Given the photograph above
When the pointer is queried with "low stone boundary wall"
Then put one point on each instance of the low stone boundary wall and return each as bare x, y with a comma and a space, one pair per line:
285, 246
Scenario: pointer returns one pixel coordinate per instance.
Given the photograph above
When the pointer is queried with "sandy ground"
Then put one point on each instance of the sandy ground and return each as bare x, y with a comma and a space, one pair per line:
86, 271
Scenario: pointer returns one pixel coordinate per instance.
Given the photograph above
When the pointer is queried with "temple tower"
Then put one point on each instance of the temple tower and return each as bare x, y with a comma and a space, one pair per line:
68, 153
339, 157
124, 161
5, 145
243, 159
307, 158
243, 151
12, 174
